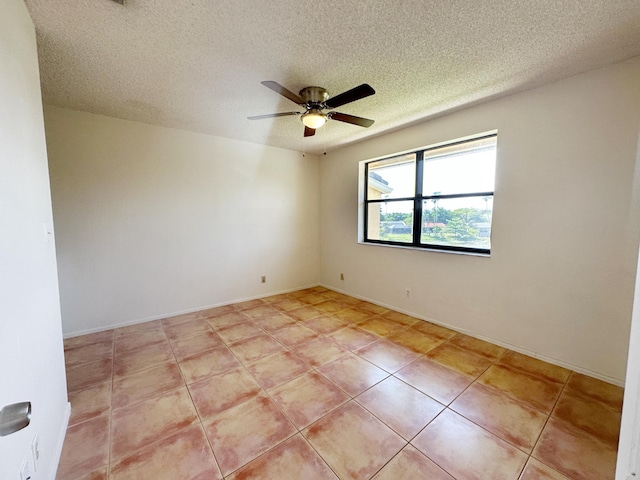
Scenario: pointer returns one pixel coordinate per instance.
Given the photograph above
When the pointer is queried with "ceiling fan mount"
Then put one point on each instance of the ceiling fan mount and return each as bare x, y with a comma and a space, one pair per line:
315, 100
314, 95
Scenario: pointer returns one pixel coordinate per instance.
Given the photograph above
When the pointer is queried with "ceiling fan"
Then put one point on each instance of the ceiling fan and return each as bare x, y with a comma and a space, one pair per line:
316, 99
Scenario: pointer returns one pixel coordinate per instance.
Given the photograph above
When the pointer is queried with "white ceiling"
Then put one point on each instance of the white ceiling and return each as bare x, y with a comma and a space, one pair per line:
197, 64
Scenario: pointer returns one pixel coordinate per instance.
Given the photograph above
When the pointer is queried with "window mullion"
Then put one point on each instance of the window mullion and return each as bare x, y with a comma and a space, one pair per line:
417, 201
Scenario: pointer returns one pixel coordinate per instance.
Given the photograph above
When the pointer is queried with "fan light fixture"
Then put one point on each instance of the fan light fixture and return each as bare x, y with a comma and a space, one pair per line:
314, 118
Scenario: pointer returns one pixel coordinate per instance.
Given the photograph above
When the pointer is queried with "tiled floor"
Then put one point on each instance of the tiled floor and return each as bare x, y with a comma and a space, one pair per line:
317, 385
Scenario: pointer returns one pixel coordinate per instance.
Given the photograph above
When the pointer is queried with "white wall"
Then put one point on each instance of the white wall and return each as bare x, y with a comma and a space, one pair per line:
559, 282
31, 352
154, 221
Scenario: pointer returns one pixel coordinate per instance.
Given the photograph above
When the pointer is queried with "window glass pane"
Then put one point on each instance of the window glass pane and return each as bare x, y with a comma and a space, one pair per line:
392, 178
460, 222
468, 167
390, 221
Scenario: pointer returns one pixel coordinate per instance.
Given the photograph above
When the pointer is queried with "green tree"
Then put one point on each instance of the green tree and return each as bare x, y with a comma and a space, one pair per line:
462, 223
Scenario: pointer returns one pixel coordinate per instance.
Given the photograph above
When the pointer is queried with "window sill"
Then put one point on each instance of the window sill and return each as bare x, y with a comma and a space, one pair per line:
419, 249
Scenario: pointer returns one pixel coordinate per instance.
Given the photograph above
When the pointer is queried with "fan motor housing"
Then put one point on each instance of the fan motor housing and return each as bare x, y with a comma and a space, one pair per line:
314, 95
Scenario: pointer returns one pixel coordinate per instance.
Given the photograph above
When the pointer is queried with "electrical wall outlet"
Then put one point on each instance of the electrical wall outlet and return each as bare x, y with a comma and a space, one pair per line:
263, 279
342, 276
407, 292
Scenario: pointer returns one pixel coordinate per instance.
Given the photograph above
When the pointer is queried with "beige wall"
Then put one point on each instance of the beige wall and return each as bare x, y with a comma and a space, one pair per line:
559, 282
31, 353
154, 221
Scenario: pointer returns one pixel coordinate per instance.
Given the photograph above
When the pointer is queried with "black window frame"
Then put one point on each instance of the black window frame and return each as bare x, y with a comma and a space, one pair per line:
418, 200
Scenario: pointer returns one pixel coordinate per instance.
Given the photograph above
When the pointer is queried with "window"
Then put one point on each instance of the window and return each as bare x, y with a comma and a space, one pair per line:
437, 198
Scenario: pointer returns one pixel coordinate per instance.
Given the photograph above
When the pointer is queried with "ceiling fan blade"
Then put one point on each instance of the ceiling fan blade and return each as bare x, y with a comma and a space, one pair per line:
343, 117
276, 87
309, 132
271, 115
349, 96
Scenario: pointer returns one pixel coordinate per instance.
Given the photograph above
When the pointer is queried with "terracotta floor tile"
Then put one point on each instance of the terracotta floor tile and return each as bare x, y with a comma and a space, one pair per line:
130, 343
589, 414
533, 391
410, 464
186, 329
259, 311
401, 407
142, 358
465, 450
342, 298
312, 298
353, 442
318, 351
353, 338
387, 355
148, 421
381, 327
477, 346
307, 398
137, 329
239, 331
437, 381
251, 349
86, 448
292, 459
415, 341
277, 369
274, 322
218, 392
287, 304
535, 367
536, 470
242, 433
400, 318
515, 422
181, 319
373, 308
273, 298
225, 319
597, 389
325, 324
183, 455
434, 330
574, 452
329, 306
327, 366
217, 311
88, 339
145, 384
200, 342
90, 402
249, 304
352, 316
459, 359
84, 374
89, 352
98, 474
293, 334
305, 313
353, 374
202, 365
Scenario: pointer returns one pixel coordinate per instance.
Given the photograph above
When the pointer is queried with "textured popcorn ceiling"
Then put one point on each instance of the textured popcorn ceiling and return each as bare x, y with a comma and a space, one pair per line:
197, 64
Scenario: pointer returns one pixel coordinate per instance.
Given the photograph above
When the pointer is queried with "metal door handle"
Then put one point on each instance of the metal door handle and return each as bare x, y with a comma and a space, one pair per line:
14, 417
